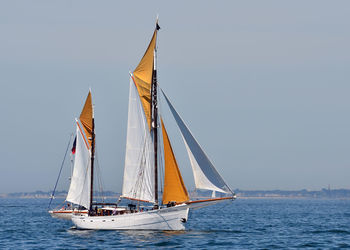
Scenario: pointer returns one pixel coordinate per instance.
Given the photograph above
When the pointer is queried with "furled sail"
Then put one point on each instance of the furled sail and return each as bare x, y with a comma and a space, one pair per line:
205, 174
174, 187
86, 118
138, 180
143, 78
79, 190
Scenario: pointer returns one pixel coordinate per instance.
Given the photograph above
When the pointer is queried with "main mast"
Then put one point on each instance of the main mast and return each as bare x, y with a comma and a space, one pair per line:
154, 108
92, 160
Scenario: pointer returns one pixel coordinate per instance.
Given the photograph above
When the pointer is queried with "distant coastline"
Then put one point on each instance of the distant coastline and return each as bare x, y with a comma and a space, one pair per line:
244, 194
319, 194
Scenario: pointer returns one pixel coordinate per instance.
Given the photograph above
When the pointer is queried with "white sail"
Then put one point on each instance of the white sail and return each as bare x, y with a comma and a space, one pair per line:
204, 172
79, 189
138, 182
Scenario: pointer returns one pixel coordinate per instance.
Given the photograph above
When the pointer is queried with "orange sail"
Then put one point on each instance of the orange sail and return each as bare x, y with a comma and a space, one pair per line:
174, 187
143, 77
86, 118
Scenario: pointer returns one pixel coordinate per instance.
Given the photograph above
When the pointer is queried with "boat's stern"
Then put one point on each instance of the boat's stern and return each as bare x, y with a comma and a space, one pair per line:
61, 214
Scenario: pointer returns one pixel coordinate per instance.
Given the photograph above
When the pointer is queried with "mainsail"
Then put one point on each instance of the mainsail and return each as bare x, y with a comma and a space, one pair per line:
138, 182
79, 189
174, 187
205, 174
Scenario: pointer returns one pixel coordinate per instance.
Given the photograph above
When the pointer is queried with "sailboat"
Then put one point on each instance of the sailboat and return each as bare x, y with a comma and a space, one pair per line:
145, 130
79, 193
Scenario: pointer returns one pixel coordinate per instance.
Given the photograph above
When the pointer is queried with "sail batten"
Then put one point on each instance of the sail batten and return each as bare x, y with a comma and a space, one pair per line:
174, 187
205, 174
138, 181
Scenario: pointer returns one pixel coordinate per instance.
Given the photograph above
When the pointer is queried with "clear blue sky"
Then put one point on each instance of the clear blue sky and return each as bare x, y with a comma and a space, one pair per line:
263, 85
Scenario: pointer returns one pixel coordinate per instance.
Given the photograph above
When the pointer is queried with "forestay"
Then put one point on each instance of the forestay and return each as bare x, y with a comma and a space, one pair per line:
79, 190
138, 182
205, 174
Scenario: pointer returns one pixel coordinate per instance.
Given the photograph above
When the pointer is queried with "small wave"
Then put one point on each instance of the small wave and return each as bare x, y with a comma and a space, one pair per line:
163, 244
62, 230
219, 243
333, 231
343, 245
10, 206
309, 244
273, 246
80, 232
218, 231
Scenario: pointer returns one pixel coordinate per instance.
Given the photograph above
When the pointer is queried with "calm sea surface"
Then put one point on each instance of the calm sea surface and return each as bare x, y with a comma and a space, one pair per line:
242, 224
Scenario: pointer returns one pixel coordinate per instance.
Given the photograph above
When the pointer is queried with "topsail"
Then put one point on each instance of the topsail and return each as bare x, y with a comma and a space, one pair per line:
142, 77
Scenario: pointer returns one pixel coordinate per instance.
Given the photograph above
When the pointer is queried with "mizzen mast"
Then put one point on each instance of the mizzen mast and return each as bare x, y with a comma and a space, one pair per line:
92, 160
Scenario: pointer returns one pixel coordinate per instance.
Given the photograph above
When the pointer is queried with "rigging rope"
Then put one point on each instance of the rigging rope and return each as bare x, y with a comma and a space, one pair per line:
59, 174
99, 174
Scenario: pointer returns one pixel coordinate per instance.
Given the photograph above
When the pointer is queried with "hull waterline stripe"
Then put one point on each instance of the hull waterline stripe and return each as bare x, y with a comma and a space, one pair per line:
217, 199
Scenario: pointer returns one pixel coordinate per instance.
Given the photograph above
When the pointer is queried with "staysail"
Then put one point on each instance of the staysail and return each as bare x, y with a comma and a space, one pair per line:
138, 182
205, 174
174, 187
79, 189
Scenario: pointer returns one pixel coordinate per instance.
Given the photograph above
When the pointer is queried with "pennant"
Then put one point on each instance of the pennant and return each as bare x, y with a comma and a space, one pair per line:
74, 145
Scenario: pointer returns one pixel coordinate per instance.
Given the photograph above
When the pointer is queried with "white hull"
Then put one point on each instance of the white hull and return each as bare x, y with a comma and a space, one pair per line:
171, 218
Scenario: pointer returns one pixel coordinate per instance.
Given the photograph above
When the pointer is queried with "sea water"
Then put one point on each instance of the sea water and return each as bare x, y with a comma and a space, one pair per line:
242, 224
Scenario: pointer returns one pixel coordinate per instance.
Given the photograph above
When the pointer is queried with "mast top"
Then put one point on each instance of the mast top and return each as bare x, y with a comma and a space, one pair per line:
157, 25
92, 104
